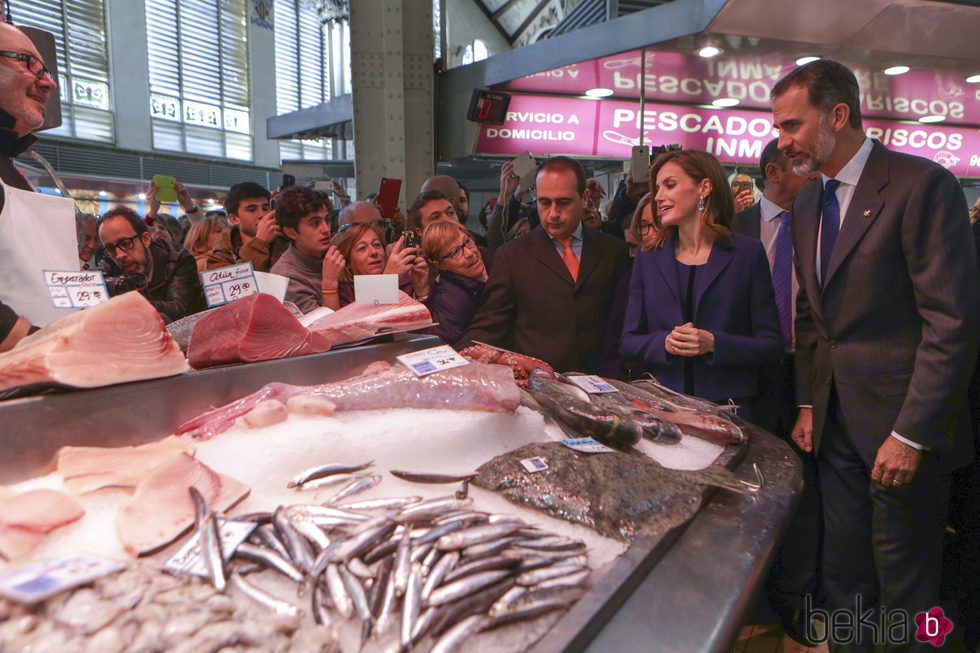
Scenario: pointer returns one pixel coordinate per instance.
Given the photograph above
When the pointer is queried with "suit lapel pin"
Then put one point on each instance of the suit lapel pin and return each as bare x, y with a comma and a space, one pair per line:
867, 213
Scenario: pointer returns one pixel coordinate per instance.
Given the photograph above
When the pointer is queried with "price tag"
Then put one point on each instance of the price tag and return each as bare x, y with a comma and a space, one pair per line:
535, 464
76, 288
223, 285
432, 360
42, 580
592, 384
586, 445
188, 559
376, 288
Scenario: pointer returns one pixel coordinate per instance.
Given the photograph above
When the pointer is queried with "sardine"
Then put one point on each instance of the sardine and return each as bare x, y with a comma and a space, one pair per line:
432, 508
411, 604
419, 552
363, 541
209, 540
322, 471
299, 551
391, 503
382, 550
477, 535
384, 617
328, 481
262, 597
356, 592
267, 537
481, 564
476, 603
403, 563
439, 571
467, 585
354, 487
443, 529
359, 569
585, 418
424, 623
260, 518
553, 543
420, 477
507, 602
455, 636
536, 576
338, 592
570, 580
270, 559
313, 533
321, 614
523, 613
313, 511
488, 548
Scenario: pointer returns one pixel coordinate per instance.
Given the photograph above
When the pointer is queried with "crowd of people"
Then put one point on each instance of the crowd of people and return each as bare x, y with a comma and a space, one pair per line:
861, 357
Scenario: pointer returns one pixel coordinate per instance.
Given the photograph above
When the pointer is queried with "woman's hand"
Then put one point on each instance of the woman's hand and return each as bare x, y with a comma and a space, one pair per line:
420, 278
508, 182
332, 268
687, 340
400, 258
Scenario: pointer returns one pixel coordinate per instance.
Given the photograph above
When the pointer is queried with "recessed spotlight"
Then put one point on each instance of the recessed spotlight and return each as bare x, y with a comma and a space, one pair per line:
805, 60
142, 196
973, 79
725, 102
896, 70
102, 193
932, 119
709, 51
599, 92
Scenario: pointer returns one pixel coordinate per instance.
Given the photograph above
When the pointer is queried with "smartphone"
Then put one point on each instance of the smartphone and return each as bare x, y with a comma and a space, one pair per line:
324, 185
410, 239
388, 196
525, 167
287, 180
640, 163
166, 192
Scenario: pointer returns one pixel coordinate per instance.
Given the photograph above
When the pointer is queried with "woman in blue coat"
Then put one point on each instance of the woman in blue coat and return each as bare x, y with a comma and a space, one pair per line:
701, 315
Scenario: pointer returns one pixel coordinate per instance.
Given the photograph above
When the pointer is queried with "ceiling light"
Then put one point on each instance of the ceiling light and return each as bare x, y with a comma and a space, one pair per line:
102, 193
933, 118
709, 51
725, 102
805, 60
599, 92
142, 196
973, 79
896, 70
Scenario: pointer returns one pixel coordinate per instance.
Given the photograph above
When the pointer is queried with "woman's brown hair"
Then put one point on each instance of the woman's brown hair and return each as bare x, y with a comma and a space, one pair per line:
348, 236
719, 205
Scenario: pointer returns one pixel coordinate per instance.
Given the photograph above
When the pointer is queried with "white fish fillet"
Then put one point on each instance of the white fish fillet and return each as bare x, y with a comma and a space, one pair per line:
121, 340
27, 517
162, 509
85, 469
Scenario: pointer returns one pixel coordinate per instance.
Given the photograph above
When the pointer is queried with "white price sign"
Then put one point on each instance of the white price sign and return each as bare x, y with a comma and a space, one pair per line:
591, 383
40, 580
227, 284
432, 360
76, 288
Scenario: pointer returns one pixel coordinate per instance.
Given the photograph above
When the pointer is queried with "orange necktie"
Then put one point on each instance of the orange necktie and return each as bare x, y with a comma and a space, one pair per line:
568, 256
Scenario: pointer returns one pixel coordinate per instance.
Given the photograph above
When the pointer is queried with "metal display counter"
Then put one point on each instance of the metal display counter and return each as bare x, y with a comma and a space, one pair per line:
686, 590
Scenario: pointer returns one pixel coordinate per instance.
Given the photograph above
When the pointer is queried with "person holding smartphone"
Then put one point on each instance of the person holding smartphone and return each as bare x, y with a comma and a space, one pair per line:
362, 246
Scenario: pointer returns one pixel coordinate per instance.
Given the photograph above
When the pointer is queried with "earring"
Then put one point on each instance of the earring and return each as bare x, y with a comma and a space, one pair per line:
701, 204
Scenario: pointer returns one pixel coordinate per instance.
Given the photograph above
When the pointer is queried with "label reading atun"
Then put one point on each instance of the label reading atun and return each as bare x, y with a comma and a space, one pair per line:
586, 445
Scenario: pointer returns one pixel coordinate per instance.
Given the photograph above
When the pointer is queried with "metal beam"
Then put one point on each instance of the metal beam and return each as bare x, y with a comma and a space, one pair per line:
530, 18
493, 20
311, 121
500, 12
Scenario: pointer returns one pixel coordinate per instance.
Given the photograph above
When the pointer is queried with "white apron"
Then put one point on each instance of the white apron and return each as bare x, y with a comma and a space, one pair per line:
37, 233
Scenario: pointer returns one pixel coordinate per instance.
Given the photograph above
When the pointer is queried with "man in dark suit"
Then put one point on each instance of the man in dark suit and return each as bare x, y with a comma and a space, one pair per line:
886, 327
549, 292
795, 569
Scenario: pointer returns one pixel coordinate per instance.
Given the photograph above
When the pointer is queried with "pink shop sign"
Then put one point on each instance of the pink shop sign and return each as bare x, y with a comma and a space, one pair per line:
686, 78
609, 128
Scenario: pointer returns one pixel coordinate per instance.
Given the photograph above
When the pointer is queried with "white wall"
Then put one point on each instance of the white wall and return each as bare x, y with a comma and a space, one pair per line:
464, 21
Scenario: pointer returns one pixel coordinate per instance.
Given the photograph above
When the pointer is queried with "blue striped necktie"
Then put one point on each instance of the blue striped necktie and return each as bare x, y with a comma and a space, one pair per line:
830, 226
782, 276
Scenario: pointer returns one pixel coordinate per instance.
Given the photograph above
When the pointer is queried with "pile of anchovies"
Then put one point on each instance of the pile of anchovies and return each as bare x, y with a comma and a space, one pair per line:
407, 568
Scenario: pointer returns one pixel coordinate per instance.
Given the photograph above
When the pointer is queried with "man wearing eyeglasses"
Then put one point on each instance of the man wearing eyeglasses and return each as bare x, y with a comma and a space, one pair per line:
24, 89
164, 273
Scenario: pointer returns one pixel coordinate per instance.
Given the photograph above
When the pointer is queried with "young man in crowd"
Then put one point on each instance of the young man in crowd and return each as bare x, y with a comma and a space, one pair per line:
254, 236
164, 273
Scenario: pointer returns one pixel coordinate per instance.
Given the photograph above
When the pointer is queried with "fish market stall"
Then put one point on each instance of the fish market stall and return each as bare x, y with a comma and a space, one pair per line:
706, 569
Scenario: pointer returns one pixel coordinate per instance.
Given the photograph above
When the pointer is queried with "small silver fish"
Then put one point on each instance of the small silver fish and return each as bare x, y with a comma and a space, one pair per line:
363, 541
354, 487
570, 580
356, 592
209, 540
389, 599
296, 545
391, 503
477, 535
481, 564
455, 636
327, 481
439, 571
338, 592
506, 602
403, 563
321, 471
466, 585
529, 578
420, 477
269, 559
523, 613
264, 598
411, 604
321, 614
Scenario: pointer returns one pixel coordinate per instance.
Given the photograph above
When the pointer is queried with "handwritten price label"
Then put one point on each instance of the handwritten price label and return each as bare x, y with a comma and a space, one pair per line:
432, 360
227, 284
75, 288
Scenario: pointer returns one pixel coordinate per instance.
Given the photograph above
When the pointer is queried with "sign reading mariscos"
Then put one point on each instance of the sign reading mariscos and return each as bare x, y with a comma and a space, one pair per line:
609, 128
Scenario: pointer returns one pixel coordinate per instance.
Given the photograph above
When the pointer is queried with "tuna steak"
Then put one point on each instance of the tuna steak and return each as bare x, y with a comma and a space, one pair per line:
620, 495
474, 386
123, 339
250, 329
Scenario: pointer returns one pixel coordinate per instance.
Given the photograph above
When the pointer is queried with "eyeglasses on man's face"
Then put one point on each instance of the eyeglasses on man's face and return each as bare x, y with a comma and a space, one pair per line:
647, 226
125, 244
34, 64
456, 253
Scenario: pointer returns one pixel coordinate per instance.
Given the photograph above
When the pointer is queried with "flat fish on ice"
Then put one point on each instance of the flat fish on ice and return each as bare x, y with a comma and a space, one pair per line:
121, 340
84, 469
474, 386
620, 495
161, 509
25, 518
253, 328
359, 321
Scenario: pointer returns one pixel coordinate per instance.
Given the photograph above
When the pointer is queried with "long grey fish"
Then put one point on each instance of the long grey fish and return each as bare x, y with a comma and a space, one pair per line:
299, 551
453, 638
411, 604
477, 535
209, 540
363, 541
390, 503
422, 477
439, 571
321, 471
356, 592
262, 597
321, 614
403, 563
342, 601
481, 564
354, 487
270, 559
523, 613
466, 585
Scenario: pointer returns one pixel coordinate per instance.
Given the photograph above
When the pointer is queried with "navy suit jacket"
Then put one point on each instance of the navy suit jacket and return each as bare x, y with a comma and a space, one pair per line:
748, 222
733, 299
